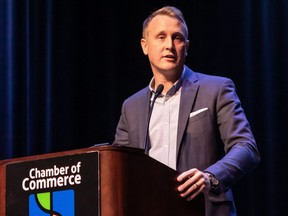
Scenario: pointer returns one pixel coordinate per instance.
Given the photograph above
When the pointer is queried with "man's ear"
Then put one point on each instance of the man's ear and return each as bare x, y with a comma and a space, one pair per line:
187, 46
144, 46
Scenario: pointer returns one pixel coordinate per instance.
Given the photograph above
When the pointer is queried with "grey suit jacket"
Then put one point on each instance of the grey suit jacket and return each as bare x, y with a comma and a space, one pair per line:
213, 133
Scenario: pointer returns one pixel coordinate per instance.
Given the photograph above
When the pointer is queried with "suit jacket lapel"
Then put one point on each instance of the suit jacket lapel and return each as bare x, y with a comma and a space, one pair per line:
188, 94
143, 110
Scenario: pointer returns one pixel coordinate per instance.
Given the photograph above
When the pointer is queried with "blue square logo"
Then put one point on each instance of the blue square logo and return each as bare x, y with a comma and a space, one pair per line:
58, 203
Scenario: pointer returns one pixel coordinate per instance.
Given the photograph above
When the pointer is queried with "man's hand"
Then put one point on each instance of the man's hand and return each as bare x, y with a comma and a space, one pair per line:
192, 183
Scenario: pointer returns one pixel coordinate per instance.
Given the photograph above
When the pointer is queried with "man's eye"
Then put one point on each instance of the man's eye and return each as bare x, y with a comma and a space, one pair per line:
178, 38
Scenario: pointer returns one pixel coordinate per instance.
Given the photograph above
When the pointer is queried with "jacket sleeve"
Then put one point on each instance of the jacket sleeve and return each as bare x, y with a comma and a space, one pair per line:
121, 135
241, 153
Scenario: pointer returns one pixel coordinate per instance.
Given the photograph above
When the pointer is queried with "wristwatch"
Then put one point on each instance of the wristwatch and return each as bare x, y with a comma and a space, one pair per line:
214, 182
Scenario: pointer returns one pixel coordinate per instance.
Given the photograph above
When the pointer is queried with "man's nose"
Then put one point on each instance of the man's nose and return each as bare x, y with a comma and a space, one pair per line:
169, 43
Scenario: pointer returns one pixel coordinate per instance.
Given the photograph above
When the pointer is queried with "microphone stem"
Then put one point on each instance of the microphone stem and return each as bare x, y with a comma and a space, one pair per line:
157, 93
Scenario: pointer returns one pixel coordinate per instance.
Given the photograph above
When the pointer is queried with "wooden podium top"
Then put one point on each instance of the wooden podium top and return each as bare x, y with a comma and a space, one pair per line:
75, 151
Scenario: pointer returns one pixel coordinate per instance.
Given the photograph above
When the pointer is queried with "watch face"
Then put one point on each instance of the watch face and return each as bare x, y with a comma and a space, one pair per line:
214, 181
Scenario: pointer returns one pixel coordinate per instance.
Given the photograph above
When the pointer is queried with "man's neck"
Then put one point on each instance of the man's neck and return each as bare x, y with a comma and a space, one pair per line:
166, 78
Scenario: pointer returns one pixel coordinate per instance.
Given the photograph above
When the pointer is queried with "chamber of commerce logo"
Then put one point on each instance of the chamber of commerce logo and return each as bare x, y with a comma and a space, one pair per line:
56, 203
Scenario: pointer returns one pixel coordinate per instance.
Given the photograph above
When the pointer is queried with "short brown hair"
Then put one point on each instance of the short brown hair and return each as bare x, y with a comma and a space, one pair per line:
169, 11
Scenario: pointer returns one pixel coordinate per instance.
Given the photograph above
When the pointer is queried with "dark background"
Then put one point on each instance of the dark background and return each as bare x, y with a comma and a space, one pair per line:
66, 66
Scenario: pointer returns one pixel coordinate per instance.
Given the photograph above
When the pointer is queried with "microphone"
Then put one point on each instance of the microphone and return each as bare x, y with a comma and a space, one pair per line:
158, 91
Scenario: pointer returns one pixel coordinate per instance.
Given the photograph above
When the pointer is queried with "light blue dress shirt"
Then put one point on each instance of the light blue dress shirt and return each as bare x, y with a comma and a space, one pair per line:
164, 123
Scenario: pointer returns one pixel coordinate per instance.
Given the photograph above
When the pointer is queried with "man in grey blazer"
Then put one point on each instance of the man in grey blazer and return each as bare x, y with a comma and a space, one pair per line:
197, 125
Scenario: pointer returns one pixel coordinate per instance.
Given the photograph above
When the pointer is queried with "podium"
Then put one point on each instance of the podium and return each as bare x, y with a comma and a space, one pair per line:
103, 180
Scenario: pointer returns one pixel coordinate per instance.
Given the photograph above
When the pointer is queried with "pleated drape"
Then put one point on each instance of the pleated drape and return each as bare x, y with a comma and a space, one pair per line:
66, 67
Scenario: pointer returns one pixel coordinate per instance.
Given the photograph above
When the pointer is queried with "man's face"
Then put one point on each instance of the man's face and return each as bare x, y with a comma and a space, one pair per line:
165, 44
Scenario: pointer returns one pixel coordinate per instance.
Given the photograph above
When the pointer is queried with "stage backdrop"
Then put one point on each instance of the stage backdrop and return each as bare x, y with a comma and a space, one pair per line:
66, 67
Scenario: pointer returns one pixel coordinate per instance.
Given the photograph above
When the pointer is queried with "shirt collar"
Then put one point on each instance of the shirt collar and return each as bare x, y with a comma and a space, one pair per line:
176, 86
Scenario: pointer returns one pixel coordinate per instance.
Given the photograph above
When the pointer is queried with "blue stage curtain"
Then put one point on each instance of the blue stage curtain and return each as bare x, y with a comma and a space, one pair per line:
26, 82
66, 66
